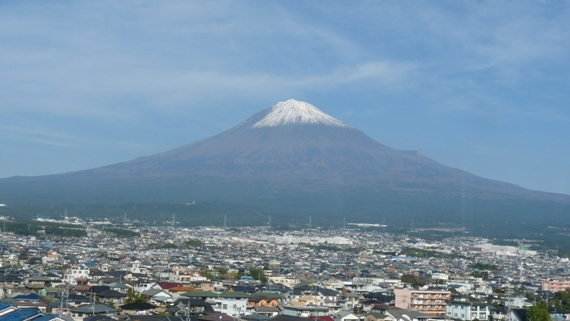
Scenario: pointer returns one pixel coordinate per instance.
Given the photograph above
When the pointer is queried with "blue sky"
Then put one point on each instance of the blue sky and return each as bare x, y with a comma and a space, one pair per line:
477, 85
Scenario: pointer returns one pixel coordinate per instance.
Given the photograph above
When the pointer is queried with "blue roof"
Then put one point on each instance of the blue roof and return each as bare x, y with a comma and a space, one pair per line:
46, 317
4, 306
31, 297
20, 315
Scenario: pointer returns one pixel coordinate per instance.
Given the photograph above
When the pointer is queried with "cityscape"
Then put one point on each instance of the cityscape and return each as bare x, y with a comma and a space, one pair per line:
129, 270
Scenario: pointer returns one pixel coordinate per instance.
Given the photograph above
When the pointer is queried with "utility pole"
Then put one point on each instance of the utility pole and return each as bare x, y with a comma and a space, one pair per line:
93, 306
225, 218
310, 222
269, 221
188, 314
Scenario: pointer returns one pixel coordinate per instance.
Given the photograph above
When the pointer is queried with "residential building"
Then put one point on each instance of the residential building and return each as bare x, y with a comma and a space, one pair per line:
429, 302
468, 310
554, 285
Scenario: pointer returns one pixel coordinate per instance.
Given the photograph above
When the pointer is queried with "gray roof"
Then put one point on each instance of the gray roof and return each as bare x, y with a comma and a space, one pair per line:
88, 308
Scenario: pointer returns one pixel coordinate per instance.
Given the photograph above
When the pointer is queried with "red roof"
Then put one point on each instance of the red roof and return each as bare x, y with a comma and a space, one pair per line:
168, 285
321, 317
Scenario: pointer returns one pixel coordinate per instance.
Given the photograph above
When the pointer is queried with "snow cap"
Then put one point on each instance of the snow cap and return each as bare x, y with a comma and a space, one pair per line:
296, 112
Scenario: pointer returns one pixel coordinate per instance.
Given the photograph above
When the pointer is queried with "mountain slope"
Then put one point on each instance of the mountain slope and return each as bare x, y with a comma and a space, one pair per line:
292, 147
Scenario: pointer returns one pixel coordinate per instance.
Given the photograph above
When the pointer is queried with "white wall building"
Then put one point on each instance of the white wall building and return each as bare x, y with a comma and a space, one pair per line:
71, 275
232, 307
468, 310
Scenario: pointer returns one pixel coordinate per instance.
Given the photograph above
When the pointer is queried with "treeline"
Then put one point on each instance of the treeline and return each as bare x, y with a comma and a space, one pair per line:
34, 228
410, 251
119, 232
333, 248
484, 266
187, 244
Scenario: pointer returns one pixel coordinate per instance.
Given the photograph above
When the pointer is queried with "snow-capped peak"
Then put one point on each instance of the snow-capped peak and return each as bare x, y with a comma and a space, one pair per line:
296, 112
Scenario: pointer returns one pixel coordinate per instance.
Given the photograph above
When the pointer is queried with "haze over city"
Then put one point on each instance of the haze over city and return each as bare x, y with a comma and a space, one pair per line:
479, 86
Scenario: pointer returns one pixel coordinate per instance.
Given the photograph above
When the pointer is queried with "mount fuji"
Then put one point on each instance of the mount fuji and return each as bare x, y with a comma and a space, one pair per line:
291, 157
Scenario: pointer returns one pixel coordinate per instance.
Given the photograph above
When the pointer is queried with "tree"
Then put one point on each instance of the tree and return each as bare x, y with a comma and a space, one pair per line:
222, 273
538, 312
207, 274
133, 296
258, 274
236, 275
409, 278
562, 299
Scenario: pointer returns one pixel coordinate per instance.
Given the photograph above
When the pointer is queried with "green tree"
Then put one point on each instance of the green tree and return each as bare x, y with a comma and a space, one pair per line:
193, 243
411, 279
562, 299
222, 273
538, 312
133, 296
258, 274
207, 274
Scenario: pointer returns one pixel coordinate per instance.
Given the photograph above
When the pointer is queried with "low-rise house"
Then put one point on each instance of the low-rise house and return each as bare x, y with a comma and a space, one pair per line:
112, 296
377, 317
92, 309
138, 308
345, 316
233, 307
407, 315
262, 301
305, 311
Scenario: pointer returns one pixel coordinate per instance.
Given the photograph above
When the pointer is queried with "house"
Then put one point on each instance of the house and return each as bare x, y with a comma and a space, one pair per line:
517, 315
90, 309
558, 314
345, 316
157, 295
230, 306
262, 301
216, 317
165, 285
285, 317
468, 310
305, 311
181, 305
79, 273
267, 311
407, 315
112, 296
377, 317
138, 308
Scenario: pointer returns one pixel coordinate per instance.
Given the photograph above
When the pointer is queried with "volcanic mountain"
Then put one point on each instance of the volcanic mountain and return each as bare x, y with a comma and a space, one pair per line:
291, 153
